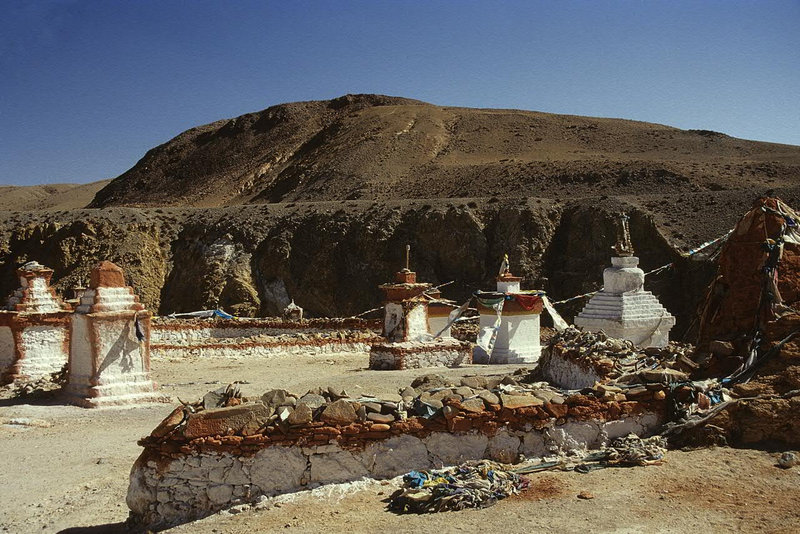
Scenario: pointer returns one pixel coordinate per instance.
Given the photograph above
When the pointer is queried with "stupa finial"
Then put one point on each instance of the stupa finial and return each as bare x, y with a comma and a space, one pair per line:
623, 247
505, 266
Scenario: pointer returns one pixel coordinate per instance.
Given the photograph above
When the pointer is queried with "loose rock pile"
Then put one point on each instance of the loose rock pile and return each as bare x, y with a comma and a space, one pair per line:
576, 359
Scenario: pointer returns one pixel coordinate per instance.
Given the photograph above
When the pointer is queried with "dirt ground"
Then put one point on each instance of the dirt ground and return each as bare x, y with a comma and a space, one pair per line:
65, 469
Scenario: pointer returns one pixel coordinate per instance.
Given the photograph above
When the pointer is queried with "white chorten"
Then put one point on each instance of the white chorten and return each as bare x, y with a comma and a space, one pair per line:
509, 330
623, 309
109, 359
34, 328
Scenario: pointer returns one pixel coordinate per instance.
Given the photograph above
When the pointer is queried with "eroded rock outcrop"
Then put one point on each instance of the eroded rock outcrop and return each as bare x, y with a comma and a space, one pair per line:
331, 258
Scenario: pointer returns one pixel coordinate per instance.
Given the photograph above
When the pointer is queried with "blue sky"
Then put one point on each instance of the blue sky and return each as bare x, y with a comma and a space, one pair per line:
87, 87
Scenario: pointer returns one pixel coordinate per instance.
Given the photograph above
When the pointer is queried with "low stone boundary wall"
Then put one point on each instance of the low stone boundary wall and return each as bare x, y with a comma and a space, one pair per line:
173, 331
244, 338
197, 463
572, 370
444, 352
238, 348
575, 359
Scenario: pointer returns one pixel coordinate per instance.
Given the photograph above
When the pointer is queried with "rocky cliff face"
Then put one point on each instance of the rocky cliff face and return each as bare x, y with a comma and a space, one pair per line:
330, 257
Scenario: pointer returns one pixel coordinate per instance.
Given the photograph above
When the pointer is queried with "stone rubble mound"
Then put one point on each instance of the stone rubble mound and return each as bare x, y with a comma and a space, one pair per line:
612, 358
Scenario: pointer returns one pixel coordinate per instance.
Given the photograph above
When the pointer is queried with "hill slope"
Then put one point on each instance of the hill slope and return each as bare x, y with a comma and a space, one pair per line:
372, 147
49, 196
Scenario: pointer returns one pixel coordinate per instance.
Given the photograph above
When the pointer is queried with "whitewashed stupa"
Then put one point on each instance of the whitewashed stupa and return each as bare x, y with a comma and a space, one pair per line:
509, 323
623, 309
109, 357
34, 328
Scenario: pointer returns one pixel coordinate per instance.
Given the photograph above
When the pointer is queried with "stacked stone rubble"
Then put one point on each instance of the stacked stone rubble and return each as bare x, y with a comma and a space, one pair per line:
576, 359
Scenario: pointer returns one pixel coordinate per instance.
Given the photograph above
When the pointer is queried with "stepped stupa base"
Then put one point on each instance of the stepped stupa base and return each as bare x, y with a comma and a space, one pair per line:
622, 309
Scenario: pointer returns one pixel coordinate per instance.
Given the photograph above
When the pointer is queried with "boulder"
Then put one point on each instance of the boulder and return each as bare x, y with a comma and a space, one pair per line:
339, 412
520, 401
302, 415
243, 419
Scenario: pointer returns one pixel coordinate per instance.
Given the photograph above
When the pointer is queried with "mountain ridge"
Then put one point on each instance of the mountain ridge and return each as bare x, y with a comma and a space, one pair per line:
376, 147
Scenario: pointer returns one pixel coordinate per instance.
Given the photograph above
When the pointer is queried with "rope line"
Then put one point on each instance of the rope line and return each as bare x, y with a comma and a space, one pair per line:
657, 270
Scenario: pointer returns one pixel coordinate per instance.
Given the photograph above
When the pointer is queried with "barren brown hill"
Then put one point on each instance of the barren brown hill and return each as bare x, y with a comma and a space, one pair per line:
372, 147
48, 196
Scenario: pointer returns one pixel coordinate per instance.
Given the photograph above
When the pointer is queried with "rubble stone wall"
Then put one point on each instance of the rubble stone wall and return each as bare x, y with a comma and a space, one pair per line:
229, 450
256, 349
569, 374
416, 355
177, 338
168, 331
175, 490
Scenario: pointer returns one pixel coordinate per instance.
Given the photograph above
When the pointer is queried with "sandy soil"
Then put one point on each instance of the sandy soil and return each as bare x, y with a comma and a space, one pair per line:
66, 469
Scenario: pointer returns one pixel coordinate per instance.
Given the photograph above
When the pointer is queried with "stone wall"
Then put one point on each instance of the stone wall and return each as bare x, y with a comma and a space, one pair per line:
445, 352
237, 338
198, 461
575, 359
572, 373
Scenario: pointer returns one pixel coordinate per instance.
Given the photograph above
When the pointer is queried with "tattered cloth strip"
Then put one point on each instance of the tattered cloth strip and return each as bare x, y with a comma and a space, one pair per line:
202, 314
528, 302
488, 335
628, 451
791, 232
453, 317
489, 300
706, 244
138, 328
470, 485
558, 322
